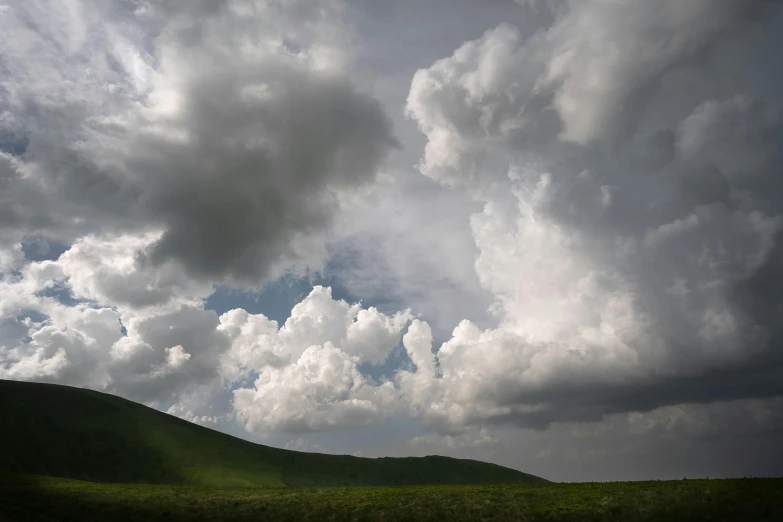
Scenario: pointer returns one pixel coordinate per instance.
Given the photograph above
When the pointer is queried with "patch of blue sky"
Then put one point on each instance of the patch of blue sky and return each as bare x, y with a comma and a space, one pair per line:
40, 248
397, 359
61, 293
33, 315
14, 145
277, 298
17, 327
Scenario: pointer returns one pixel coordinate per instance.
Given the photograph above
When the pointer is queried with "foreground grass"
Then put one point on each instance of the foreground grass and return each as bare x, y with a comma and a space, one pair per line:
46, 499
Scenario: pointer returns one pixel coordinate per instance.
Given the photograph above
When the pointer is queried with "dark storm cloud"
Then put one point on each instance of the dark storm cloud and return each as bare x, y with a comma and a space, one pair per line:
253, 176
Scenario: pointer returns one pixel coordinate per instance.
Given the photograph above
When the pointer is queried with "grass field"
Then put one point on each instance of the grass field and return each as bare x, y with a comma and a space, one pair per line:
47, 499
62, 431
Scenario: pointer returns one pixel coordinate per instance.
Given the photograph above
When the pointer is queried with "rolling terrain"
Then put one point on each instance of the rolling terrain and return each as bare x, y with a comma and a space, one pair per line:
75, 433
76, 454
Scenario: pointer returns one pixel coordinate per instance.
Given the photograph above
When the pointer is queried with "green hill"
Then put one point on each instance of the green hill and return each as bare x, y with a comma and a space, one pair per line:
61, 431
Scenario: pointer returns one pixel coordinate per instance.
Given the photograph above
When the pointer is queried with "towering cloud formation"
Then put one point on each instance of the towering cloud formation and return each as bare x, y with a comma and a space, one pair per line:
630, 212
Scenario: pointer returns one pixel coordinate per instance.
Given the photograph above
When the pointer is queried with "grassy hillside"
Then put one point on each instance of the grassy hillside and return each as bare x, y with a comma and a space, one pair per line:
62, 431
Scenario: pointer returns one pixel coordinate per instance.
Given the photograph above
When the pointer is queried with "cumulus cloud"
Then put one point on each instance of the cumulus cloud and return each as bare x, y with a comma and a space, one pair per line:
616, 271
602, 62
307, 370
110, 271
321, 390
230, 128
160, 346
361, 333
156, 358
94, 318
587, 79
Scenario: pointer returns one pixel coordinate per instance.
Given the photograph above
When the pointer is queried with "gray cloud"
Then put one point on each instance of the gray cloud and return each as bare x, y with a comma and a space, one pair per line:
671, 442
231, 207
230, 126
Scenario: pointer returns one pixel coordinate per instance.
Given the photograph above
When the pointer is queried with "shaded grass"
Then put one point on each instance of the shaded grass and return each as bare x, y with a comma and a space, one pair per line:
45, 499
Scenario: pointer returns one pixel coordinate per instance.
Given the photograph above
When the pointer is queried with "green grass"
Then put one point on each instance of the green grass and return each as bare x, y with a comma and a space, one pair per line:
61, 431
46, 499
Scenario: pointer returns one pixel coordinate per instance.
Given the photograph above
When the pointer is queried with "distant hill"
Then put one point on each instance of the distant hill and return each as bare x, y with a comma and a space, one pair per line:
61, 431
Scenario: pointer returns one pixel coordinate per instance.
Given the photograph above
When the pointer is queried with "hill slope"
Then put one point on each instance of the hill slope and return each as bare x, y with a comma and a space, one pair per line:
76, 433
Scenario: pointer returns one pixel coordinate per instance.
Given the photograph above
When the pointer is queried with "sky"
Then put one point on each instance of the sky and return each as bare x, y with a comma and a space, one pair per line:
542, 233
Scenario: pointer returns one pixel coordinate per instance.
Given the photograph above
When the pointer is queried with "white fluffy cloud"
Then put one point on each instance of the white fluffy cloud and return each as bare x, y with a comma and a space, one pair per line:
364, 334
307, 369
109, 271
169, 343
321, 390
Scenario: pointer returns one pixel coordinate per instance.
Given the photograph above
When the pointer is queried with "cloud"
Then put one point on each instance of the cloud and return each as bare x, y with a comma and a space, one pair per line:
588, 79
148, 350
306, 372
477, 438
155, 360
376, 255
180, 410
364, 334
157, 344
36, 360
229, 128
301, 444
469, 106
109, 270
323, 389
617, 271
602, 62
671, 442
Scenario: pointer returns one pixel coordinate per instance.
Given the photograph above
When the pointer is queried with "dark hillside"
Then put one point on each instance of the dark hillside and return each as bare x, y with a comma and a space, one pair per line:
69, 432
